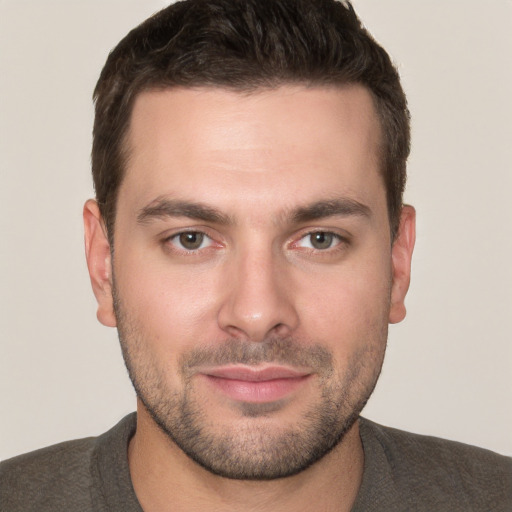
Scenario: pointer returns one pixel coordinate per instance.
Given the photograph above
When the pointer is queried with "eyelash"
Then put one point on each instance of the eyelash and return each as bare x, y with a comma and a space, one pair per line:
338, 242
176, 236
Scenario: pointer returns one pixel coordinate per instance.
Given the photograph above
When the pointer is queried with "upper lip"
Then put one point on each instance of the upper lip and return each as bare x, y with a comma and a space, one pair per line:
255, 374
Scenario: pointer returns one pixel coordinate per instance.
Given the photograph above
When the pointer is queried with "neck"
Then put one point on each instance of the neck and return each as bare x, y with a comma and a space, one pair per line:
166, 479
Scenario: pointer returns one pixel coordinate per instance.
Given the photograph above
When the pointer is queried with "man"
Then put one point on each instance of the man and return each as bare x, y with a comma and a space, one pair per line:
249, 242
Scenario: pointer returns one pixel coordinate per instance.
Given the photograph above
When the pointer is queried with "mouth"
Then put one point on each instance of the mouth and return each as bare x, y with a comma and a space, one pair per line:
256, 384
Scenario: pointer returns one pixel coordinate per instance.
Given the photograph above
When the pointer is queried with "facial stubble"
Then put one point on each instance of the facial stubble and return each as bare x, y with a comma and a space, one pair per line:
255, 447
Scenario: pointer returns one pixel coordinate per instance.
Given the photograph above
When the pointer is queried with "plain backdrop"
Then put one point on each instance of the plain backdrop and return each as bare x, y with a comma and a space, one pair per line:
448, 370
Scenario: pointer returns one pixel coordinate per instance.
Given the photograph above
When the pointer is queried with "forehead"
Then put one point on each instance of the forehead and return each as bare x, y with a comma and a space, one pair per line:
283, 145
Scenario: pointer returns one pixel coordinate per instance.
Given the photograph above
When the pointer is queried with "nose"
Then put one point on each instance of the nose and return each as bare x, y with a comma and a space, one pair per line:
258, 302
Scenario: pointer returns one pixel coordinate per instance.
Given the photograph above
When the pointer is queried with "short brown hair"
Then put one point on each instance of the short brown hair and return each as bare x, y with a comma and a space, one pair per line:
245, 45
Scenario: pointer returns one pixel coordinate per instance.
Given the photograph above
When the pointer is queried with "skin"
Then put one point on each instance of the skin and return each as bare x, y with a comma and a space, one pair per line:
259, 161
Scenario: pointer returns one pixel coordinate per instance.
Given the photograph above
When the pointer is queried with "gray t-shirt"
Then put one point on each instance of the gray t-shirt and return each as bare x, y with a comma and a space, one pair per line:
402, 472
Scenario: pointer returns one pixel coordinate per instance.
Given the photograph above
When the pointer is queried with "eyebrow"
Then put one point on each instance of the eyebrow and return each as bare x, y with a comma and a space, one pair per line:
161, 208
343, 207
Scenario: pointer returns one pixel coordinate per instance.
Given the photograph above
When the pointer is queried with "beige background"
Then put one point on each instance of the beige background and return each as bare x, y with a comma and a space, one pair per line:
449, 366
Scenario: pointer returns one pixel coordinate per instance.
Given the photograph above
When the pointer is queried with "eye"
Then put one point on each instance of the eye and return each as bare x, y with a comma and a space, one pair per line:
191, 240
319, 240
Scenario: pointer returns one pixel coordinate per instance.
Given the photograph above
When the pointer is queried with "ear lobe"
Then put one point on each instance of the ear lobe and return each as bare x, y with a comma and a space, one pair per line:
401, 255
97, 253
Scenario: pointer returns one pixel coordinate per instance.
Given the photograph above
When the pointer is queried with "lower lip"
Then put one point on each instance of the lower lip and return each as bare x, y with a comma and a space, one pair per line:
257, 392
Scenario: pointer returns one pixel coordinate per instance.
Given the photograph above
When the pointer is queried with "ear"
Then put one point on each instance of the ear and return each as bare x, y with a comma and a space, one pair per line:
97, 253
401, 255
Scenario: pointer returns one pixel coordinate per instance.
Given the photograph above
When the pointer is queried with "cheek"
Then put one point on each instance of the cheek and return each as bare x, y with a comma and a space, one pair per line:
172, 306
348, 307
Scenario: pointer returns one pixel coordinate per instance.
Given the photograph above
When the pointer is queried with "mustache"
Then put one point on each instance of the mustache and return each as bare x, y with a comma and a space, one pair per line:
234, 351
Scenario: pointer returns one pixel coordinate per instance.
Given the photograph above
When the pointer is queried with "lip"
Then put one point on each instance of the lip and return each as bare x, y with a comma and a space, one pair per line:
256, 384
255, 374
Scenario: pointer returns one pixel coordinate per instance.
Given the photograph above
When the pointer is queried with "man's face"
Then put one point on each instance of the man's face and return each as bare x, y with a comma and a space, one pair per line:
253, 274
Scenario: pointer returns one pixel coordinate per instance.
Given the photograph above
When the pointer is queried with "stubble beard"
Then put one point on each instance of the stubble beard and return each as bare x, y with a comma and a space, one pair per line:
255, 449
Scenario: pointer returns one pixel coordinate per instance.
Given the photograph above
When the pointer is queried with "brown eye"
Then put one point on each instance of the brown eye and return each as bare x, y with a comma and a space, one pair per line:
191, 240
321, 240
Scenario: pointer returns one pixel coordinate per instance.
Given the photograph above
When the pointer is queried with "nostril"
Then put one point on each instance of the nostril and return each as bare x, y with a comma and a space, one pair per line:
279, 329
257, 302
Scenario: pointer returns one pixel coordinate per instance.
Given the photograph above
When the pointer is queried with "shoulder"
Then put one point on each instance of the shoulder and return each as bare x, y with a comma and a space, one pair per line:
431, 451
84, 474
56, 473
442, 472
